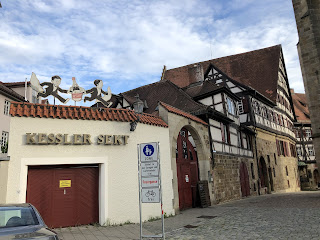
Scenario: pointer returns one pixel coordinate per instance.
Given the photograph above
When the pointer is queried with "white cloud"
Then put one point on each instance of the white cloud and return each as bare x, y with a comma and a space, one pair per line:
126, 43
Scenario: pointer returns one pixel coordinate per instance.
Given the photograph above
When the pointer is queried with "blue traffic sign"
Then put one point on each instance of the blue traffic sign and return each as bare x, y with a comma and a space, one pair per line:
148, 150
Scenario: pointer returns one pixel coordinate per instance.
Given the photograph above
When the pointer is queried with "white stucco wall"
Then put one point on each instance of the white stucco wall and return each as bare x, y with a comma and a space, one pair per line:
119, 195
4, 119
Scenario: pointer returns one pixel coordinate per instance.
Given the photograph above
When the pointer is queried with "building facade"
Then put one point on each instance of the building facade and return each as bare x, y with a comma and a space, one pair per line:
7, 95
260, 81
79, 165
12, 91
308, 170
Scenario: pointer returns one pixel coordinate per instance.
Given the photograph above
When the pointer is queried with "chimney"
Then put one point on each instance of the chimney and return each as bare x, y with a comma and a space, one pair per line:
196, 73
292, 91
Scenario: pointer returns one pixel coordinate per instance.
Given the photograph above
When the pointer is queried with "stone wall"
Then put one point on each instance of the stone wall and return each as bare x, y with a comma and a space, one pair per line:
277, 165
226, 175
307, 14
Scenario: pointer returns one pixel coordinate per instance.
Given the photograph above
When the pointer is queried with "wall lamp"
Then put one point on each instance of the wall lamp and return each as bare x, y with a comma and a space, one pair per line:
138, 109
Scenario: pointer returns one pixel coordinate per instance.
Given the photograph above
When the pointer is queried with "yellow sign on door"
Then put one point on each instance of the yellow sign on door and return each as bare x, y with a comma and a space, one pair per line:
65, 183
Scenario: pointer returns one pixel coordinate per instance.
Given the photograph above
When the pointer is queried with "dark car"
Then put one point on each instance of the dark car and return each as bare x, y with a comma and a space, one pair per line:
23, 221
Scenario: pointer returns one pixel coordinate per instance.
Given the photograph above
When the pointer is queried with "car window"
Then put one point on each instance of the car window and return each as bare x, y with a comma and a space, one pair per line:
17, 216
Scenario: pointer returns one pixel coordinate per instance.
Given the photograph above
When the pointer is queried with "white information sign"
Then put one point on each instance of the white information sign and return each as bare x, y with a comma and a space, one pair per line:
150, 182
149, 169
150, 195
148, 152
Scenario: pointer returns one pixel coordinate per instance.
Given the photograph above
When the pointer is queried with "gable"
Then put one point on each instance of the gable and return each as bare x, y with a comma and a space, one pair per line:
256, 69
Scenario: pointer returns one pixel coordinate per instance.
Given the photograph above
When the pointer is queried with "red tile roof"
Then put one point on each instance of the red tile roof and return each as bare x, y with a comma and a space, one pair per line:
300, 107
257, 69
166, 92
182, 113
18, 109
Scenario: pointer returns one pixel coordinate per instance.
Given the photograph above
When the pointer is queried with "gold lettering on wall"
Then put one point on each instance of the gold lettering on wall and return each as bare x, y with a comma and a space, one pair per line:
74, 139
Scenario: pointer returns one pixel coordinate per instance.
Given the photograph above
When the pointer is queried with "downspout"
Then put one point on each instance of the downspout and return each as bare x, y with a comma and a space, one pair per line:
25, 90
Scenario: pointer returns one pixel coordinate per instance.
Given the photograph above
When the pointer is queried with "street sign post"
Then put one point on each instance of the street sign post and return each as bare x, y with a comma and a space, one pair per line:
149, 174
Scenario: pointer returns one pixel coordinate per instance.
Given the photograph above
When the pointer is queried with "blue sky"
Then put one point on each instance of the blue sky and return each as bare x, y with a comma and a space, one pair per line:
126, 42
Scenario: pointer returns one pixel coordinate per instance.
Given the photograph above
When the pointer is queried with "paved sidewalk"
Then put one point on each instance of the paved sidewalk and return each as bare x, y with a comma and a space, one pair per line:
274, 216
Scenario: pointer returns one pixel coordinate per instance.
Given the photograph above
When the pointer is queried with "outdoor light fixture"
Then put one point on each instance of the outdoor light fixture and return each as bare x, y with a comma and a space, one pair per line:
138, 109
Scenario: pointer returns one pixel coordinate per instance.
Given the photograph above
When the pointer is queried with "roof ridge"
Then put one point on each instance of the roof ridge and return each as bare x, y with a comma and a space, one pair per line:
243, 53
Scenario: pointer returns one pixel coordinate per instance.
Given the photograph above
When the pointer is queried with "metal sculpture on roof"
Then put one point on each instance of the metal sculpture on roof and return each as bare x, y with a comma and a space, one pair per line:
77, 92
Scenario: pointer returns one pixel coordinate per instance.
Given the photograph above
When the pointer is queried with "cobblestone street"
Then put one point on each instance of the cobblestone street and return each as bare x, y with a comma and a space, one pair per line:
275, 216
278, 216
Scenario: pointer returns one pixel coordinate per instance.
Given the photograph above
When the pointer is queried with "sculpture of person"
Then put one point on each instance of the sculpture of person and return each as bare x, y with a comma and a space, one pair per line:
96, 93
53, 89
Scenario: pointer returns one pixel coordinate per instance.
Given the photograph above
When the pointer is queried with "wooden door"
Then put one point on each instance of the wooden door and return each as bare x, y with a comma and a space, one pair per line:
187, 171
244, 180
65, 196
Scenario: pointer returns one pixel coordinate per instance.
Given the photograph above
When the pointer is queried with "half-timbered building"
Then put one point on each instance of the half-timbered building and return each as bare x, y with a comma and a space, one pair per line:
259, 80
308, 170
220, 160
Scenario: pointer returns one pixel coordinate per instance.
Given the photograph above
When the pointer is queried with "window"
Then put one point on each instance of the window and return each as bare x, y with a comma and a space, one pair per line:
287, 171
308, 133
274, 172
299, 152
6, 107
275, 159
240, 107
252, 171
240, 144
4, 138
293, 150
225, 133
231, 106
310, 150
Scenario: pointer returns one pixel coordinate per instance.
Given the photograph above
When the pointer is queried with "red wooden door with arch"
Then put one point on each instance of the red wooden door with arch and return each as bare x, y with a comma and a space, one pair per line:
187, 171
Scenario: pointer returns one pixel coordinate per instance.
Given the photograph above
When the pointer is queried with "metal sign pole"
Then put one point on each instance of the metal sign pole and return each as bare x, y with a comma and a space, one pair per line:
160, 186
140, 210
150, 190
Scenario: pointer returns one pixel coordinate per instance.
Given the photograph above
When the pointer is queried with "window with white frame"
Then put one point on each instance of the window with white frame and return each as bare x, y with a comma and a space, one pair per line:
310, 150
299, 152
308, 133
4, 138
6, 107
231, 106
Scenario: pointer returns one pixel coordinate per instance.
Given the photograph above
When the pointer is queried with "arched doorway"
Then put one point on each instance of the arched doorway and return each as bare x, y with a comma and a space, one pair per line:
187, 171
244, 180
316, 177
263, 174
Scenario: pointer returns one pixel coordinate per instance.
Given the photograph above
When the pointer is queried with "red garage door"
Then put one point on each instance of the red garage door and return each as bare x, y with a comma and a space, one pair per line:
65, 195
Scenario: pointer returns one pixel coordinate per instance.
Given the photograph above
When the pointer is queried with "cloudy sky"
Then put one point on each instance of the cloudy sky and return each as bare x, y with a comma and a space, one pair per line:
126, 42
